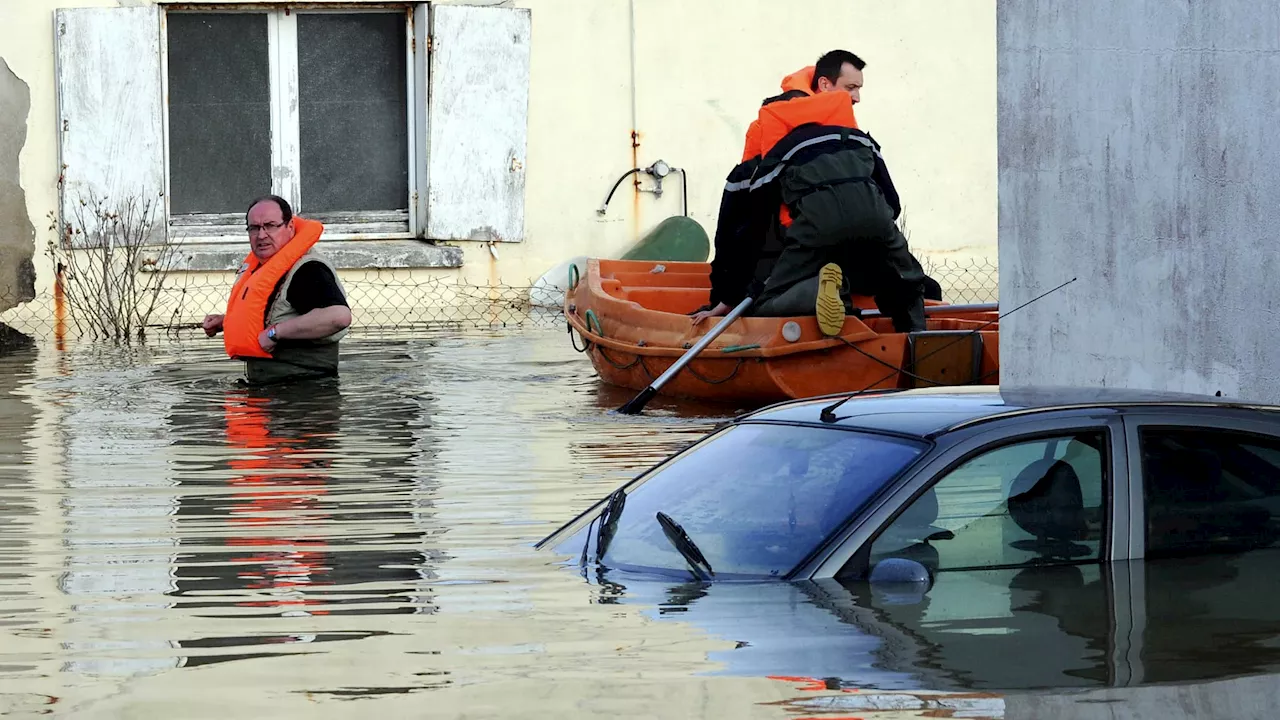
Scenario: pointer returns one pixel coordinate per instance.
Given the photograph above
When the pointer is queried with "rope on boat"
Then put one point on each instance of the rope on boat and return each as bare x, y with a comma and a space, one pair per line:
586, 342
737, 366
639, 360
590, 317
574, 276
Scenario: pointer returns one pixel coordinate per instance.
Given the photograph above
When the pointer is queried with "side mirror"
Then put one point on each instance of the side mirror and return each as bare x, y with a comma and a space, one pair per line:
941, 535
899, 581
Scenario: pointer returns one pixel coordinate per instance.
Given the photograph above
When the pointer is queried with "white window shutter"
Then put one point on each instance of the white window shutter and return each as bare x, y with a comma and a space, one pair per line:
478, 123
420, 84
111, 132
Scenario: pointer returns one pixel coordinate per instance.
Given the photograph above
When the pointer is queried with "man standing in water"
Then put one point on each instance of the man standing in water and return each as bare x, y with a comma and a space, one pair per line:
287, 309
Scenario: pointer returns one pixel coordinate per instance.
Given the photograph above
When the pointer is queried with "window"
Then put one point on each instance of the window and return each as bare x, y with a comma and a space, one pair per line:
320, 96
337, 108
1029, 503
1208, 490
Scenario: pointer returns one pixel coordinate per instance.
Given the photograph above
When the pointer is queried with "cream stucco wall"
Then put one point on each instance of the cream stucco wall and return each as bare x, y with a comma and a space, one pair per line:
701, 70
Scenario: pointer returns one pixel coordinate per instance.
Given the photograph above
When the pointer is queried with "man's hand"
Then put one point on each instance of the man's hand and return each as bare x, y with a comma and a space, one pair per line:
717, 311
212, 325
265, 342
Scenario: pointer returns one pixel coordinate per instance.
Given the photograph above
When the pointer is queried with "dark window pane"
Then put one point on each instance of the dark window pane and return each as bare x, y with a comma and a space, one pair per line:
1030, 503
1209, 490
354, 127
219, 111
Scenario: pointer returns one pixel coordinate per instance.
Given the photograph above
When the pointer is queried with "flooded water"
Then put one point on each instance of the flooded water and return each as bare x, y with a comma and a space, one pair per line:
173, 545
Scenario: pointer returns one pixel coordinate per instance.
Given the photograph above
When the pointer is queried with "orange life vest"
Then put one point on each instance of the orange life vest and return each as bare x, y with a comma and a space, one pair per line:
245, 318
798, 81
828, 108
777, 119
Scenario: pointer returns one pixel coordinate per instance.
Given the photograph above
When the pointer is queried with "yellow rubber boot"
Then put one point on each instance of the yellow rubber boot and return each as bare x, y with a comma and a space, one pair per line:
829, 309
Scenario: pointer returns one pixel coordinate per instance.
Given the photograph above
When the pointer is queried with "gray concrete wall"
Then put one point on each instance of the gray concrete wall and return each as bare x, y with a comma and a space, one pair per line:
1139, 150
17, 236
1248, 698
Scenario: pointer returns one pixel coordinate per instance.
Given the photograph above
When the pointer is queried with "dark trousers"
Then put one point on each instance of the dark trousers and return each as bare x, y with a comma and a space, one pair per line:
849, 224
293, 363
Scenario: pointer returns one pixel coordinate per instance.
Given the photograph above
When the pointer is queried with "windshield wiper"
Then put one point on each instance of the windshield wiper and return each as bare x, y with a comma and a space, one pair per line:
606, 525
684, 545
609, 521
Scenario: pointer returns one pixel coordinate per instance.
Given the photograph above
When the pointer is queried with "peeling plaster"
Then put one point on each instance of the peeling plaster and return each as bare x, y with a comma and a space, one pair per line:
17, 235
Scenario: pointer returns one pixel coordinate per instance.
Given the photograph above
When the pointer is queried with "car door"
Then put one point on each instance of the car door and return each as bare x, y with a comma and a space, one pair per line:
1017, 524
1205, 499
1203, 482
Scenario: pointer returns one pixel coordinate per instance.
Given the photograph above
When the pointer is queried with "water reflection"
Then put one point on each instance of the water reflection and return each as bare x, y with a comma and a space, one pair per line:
18, 601
1089, 626
316, 507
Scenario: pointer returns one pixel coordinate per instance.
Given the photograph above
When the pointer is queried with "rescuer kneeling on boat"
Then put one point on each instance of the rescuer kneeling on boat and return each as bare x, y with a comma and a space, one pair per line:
825, 186
768, 248
287, 309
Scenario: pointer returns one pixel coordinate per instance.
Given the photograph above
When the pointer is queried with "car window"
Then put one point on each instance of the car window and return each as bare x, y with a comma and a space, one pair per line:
756, 499
1026, 503
1209, 490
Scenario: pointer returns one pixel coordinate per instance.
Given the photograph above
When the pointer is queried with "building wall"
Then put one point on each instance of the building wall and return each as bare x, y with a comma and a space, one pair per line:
700, 72
1137, 154
17, 236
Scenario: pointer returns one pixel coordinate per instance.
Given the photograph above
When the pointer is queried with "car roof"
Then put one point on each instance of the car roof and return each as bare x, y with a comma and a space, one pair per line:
929, 411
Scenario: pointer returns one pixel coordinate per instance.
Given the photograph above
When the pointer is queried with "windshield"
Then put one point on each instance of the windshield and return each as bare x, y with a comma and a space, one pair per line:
754, 499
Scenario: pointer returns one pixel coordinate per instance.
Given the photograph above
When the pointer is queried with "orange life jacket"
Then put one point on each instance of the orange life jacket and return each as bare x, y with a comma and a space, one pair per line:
828, 108
778, 119
245, 318
797, 81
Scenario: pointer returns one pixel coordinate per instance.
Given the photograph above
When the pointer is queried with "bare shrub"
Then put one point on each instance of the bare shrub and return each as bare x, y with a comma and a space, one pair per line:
111, 257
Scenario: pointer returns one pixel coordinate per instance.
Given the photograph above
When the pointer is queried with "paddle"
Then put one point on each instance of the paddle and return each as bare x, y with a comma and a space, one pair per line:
636, 405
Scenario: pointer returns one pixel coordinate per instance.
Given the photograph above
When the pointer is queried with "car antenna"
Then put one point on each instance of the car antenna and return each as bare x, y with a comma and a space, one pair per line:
828, 412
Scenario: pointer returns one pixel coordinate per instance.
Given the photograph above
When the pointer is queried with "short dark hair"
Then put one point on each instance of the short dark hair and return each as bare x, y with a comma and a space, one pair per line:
830, 65
286, 212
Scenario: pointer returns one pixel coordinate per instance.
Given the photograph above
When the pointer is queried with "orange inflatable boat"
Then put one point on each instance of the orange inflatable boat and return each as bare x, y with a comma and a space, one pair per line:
631, 318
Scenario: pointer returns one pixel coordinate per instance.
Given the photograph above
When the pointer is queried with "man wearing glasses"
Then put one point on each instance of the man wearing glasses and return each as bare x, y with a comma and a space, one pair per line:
287, 309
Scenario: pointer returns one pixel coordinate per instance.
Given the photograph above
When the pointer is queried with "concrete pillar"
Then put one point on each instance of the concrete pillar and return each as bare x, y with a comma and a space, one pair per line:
1139, 151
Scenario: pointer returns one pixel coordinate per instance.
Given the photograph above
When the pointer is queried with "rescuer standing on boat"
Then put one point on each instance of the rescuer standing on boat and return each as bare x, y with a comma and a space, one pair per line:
287, 309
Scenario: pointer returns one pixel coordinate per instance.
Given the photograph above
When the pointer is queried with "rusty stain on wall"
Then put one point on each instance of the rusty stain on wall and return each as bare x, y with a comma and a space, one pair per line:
635, 189
17, 235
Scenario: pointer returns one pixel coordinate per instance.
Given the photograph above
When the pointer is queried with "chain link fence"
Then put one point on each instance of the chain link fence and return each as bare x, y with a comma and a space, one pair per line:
383, 300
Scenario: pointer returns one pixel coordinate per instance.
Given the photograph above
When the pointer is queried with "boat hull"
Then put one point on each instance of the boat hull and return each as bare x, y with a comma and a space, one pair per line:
630, 318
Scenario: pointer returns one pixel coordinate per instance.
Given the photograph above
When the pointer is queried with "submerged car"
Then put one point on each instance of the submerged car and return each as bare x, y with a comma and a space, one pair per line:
900, 486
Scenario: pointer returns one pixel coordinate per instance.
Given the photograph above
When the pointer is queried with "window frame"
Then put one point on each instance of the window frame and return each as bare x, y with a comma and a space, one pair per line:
282, 52
855, 542
1224, 421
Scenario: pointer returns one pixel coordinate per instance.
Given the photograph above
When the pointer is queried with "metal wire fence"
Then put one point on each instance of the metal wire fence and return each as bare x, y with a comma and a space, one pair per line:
383, 300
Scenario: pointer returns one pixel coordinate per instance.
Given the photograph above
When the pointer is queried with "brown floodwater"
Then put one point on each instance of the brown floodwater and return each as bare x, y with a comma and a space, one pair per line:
174, 545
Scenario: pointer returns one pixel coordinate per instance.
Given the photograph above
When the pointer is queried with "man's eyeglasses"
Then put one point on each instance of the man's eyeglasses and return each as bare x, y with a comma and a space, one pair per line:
269, 227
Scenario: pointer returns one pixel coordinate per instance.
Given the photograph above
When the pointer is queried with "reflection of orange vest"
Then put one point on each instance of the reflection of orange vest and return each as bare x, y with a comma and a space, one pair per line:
245, 318
270, 486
